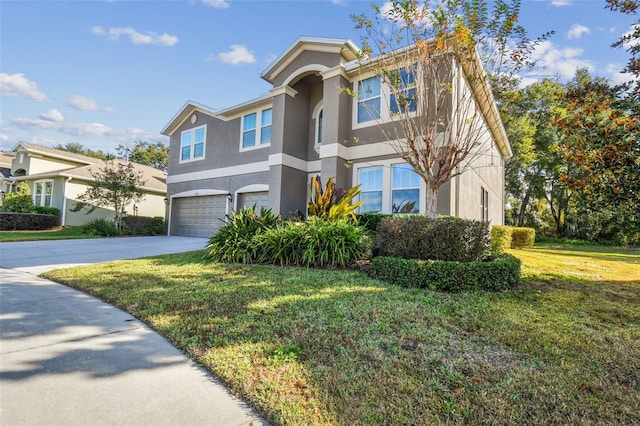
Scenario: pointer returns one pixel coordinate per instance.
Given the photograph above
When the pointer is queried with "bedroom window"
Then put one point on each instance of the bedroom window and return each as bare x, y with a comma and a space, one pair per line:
192, 144
368, 99
256, 129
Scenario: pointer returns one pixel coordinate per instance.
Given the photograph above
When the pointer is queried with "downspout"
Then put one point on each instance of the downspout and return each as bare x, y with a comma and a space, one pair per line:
64, 201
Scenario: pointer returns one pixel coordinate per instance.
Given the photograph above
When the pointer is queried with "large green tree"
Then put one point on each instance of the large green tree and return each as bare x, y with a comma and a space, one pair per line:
147, 153
78, 148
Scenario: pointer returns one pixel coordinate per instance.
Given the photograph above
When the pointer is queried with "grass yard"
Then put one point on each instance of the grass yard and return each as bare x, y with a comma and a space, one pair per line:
56, 234
336, 347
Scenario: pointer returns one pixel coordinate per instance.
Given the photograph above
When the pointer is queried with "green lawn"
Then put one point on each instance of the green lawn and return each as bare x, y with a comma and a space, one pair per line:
57, 234
336, 347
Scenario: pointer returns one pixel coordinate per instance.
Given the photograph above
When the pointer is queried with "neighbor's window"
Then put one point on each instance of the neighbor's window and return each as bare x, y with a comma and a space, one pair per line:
404, 80
192, 144
368, 99
405, 189
484, 205
256, 127
42, 193
370, 180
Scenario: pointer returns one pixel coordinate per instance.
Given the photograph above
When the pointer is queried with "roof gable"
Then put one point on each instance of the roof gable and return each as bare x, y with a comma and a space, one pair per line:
345, 47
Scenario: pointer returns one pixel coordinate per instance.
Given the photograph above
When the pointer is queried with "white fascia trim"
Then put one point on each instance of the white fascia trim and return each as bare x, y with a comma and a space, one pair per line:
235, 111
183, 115
276, 91
294, 162
316, 68
256, 187
294, 51
243, 169
351, 153
199, 193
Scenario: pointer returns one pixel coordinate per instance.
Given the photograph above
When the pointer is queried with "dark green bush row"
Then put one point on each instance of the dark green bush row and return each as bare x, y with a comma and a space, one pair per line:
264, 238
371, 221
27, 221
500, 273
417, 237
46, 210
144, 225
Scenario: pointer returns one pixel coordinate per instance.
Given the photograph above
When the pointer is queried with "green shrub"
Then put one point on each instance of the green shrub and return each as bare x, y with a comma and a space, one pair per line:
418, 237
17, 203
101, 227
46, 210
500, 273
27, 221
371, 221
234, 242
522, 237
144, 225
500, 238
315, 243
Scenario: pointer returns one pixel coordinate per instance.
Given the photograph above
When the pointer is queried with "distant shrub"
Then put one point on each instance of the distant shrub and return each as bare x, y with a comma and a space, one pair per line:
46, 210
500, 273
144, 225
418, 237
500, 238
10, 221
101, 227
317, 243
522, 237
234, 242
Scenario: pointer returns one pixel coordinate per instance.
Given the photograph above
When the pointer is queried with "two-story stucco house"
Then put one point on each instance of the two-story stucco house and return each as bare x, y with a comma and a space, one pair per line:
57, 177
265, 151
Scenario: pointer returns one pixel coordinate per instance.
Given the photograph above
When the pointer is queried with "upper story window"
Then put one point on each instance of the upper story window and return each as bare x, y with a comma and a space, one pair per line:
42, 193
256, 129
192, 144
368, 99
319, 119
405, 82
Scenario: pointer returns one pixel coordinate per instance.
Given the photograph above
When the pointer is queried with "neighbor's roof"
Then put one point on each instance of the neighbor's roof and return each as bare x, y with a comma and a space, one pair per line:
5, 165
155, 180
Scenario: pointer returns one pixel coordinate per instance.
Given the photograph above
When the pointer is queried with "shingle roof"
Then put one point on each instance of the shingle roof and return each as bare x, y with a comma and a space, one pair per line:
154, 179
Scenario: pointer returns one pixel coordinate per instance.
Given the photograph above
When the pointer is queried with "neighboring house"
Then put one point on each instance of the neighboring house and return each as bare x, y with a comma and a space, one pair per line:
56, 178
5, 174
265, 151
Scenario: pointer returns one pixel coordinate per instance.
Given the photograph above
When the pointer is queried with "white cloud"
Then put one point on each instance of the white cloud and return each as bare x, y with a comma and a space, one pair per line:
632, 42
237, 55
560, 3
135, 37
52, 115
614, 71
561, 61
338, 2
19, 85
577, 31
217, 4
82, 103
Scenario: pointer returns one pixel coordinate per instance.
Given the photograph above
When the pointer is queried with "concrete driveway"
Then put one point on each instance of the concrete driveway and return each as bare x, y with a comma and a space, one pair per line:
67, 358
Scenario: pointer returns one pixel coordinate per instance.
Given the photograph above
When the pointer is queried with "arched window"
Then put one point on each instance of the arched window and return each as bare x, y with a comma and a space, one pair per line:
319, 127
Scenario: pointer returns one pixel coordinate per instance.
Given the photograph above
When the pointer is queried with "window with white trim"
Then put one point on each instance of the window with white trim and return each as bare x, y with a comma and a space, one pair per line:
405, 189
405, 82
484, 204
319, 118
192, 143
370, 180
368, 99
256, 130
42, 193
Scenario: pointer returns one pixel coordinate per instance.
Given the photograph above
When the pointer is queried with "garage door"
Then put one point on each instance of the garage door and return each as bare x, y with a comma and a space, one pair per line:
197, 216
249, 199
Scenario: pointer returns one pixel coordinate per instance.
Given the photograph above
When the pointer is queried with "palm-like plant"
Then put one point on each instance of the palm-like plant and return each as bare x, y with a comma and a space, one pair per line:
332, 203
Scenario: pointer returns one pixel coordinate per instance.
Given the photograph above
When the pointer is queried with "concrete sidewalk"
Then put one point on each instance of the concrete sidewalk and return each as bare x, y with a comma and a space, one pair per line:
67, 358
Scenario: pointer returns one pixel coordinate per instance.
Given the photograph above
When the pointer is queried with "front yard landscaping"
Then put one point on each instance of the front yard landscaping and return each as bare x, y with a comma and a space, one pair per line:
60, 233
308, 346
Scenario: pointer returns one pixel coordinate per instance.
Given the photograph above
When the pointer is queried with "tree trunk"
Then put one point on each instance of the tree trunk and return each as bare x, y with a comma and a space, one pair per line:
523, 206
432, 203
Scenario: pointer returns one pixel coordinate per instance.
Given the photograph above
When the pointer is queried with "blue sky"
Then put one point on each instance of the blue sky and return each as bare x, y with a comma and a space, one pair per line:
105, 73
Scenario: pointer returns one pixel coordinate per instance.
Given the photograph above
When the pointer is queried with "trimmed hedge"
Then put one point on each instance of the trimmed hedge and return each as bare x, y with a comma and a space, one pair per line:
500, 273
522, 237
500, 238
418, 237
27, 221
144, 225
46, 210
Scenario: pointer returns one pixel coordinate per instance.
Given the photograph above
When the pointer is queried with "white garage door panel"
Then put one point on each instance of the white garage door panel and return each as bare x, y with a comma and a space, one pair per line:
249, 199
198, 216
